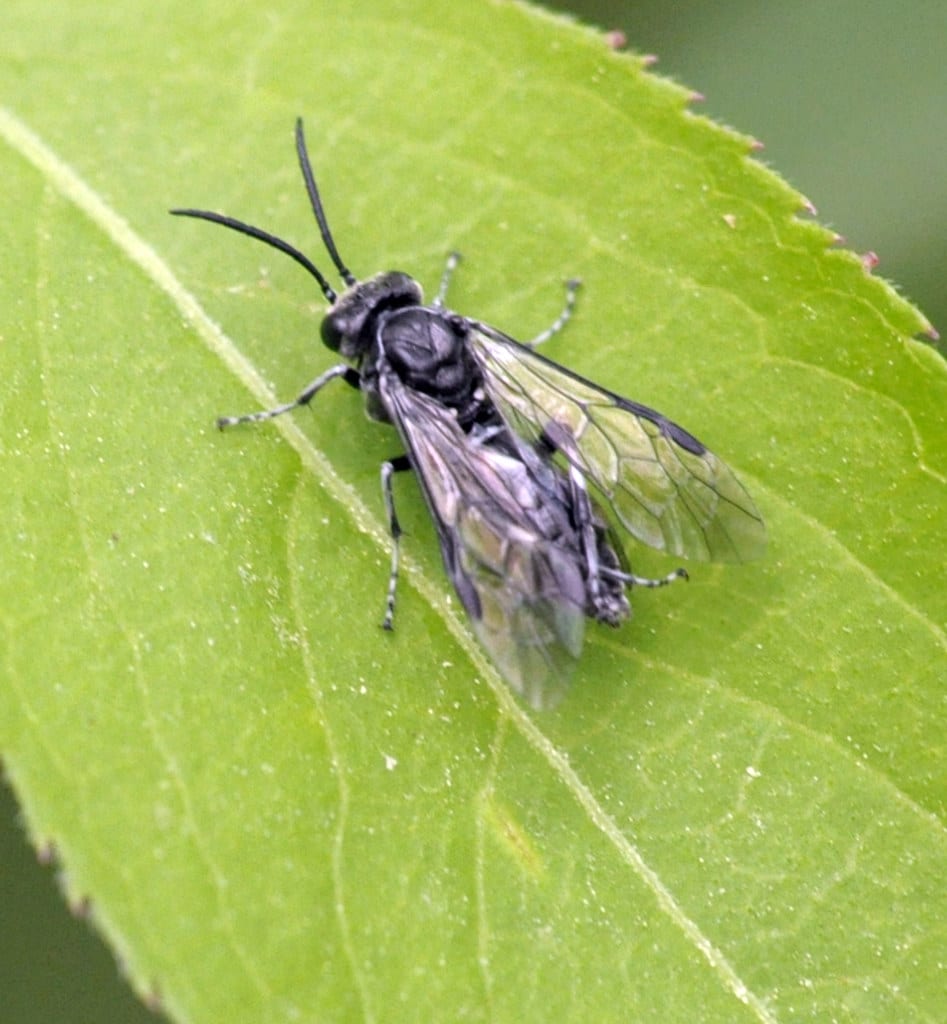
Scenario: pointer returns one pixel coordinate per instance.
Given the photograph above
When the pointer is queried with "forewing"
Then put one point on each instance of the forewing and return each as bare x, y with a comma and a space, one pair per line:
523, 592
662, 484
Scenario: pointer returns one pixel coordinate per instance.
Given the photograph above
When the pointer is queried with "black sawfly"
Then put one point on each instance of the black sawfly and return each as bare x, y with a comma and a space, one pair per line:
504, 443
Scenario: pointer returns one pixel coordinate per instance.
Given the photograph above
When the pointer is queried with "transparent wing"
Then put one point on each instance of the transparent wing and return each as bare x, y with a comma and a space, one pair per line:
662, 484
524, 590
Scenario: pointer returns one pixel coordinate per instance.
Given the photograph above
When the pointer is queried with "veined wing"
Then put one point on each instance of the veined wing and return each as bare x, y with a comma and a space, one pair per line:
521, 584
662, 484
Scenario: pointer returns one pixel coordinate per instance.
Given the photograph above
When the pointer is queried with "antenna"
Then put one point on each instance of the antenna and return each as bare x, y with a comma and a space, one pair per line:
264, 236
347, 276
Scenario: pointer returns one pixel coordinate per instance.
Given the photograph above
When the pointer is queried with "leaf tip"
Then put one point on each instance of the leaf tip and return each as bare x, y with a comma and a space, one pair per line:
153, 1000
869, 260
80, 907
47, 853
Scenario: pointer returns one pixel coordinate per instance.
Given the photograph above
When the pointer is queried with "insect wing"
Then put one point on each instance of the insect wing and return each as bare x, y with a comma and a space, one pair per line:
523, 590
662, 484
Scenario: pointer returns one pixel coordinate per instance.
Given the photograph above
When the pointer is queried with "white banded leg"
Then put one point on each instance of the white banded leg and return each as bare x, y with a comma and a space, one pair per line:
583, 523
350, 375
572, 286
399, 464
453, 258
643, 581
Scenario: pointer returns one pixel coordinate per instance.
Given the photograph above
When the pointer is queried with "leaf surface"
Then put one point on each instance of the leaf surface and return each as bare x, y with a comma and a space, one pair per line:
280, 812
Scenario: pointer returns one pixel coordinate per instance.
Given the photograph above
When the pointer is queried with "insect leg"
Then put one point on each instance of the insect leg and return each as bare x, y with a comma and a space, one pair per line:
572, 286
450, 266
343, 370
399, 464
586, 529
643, 581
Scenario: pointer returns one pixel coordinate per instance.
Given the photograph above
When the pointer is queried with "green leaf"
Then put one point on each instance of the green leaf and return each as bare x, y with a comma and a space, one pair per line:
280, 812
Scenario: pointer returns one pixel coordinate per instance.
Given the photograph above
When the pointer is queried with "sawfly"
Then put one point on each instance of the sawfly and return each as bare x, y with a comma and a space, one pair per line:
532, 474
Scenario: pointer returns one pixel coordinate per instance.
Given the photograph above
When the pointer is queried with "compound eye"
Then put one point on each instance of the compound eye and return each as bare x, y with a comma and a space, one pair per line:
331, 333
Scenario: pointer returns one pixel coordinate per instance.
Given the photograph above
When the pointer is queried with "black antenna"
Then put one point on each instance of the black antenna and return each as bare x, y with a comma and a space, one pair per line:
264, 236
347, 276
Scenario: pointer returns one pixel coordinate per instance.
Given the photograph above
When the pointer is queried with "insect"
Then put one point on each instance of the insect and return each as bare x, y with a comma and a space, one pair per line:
505, 444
